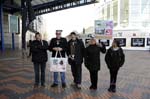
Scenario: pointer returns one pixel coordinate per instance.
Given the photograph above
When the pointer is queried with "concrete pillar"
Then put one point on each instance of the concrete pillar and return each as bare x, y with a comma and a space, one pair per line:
1, 27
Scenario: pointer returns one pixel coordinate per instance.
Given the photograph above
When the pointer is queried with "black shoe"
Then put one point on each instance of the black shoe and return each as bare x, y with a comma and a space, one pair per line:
91, 87
63, 85
36, 85
42, 86
94, 88
113, 88
110, 88
54, 85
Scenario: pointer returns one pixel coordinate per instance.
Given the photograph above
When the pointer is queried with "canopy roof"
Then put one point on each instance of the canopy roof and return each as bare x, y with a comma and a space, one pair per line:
45, 6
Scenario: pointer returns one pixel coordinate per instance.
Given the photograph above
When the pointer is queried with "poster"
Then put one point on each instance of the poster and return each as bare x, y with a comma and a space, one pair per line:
106, 42
137, 42
100, 27
122, 41
87, 42
148, 41
13, 24
104, 29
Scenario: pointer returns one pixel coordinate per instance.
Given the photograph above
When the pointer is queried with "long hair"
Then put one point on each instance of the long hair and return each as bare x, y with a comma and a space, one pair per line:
117, 42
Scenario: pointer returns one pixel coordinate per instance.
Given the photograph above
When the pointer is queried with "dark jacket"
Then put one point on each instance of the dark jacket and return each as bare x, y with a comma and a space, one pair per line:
79, 51
62, 44
114, 58
29, 46
39, 51
92, 57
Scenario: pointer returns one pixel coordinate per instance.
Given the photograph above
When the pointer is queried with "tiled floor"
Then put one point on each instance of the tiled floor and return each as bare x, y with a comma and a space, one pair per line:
17, 79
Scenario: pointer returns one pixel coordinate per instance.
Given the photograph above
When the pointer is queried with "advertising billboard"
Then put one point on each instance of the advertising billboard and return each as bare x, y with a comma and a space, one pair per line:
104, 29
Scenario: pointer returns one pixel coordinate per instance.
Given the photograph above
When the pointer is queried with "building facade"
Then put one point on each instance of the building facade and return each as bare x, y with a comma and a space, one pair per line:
37, 25
131, 21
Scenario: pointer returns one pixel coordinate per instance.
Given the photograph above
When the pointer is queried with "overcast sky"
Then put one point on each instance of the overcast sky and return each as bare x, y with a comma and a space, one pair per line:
74, 19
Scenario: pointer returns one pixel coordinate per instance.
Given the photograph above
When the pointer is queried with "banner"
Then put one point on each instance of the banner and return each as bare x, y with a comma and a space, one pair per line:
13, 24
103, 29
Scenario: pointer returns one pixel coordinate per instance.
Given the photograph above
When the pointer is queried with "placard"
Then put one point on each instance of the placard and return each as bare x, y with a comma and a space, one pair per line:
148, 41
137, 42
13, 24
106, 42
103, 29
87, 41
122, 41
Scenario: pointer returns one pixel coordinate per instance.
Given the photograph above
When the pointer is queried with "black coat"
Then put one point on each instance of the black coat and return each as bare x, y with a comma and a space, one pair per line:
79, 51
114, 58
39, 51
92, 57
62, 44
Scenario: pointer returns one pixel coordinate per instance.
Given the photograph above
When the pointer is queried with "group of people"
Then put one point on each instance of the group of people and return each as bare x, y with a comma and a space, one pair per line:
76, 52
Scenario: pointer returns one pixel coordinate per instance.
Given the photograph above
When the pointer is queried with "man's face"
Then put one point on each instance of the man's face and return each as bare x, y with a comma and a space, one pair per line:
92, 41
58, 35
73, 37
38, 37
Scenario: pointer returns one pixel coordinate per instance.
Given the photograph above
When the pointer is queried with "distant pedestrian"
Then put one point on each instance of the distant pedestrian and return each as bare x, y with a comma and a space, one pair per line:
29, 46
92, 60
114, 59
76, 54
39, 58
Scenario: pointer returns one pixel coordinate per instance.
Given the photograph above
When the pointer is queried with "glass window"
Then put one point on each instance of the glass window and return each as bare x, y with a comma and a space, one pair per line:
135, 13
145, 13
105, 13
124, 12
115, 12
108, 12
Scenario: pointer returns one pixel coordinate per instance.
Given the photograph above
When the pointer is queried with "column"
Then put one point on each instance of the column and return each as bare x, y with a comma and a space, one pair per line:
1, 27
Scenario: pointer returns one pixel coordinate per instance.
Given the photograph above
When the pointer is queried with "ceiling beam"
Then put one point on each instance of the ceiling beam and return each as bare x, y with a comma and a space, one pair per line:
60, 5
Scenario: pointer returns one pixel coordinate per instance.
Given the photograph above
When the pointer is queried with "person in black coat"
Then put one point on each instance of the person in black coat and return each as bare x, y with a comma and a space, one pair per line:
58, 44
114, 59
76, 54
29, 46
39, 58
92, 60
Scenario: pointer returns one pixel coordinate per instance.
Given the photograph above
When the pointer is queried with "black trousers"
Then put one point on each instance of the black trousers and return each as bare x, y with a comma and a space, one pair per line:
113, 75
30, 52
37, 68
94, 78
76, 72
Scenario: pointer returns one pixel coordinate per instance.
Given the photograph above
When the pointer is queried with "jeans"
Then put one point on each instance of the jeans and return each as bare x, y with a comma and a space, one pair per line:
37, 68
63, 78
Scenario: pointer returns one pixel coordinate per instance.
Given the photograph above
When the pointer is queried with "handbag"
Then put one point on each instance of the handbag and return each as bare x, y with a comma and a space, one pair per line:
58, 64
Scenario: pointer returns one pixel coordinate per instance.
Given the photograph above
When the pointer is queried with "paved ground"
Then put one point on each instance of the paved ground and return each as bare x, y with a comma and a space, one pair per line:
17, 78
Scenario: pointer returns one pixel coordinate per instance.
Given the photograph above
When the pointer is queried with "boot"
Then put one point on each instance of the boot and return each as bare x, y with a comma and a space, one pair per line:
110, 88
113, 88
